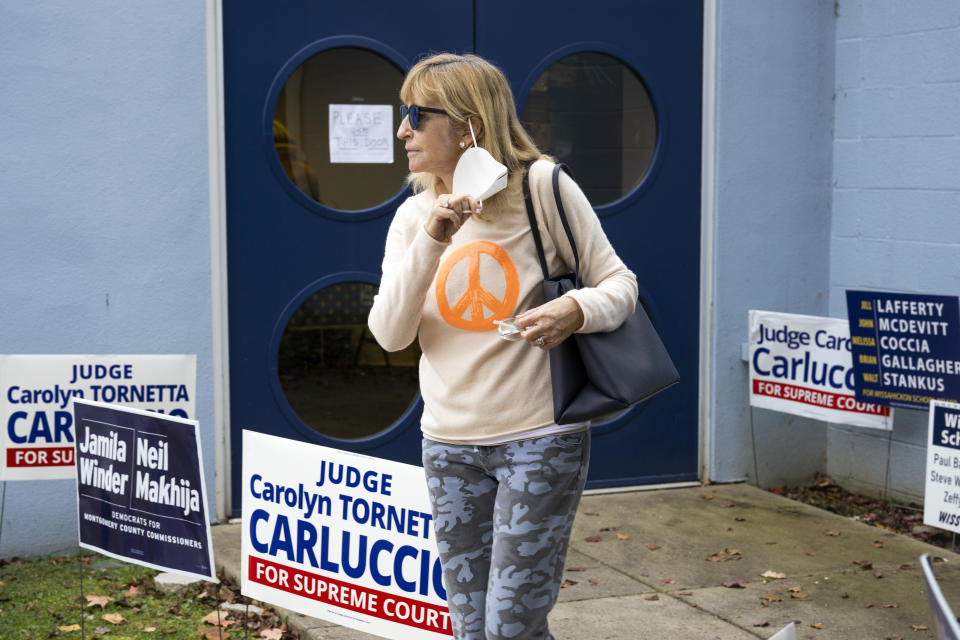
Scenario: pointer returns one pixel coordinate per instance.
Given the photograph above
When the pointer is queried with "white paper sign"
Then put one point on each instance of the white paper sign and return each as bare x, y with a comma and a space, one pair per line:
37, 437
361, 133
941, 495
802, 365
341, 536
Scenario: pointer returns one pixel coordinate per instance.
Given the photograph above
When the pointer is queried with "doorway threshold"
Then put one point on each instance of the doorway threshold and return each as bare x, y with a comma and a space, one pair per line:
642, 487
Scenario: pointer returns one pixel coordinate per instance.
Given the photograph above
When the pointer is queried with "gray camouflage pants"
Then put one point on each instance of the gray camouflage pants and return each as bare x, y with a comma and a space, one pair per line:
502, 517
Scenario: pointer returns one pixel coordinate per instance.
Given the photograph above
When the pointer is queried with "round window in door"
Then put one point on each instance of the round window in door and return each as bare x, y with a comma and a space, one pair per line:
333, 129
593, 112
335, 376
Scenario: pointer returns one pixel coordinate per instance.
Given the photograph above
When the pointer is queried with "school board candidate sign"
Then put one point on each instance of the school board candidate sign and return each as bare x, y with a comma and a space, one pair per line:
941, 497
36, 423
801, 365
906, 347
140, 489
341, 536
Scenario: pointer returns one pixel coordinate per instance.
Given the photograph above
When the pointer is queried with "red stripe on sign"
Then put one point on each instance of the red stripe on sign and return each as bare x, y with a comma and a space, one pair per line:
817, 398
380, 604
40, 457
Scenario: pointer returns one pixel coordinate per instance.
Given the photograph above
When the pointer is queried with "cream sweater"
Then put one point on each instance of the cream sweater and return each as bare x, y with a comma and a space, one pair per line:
475, 385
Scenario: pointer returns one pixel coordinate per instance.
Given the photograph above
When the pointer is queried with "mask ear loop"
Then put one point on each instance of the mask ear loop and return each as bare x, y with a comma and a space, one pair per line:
470, 124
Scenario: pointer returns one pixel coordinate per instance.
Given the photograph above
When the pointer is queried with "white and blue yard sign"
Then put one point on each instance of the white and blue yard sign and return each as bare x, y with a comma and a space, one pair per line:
941, 497
906, 347
36, 423
141, 495
341, 536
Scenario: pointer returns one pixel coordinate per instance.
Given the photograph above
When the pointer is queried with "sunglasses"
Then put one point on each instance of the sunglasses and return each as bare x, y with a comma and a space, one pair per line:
414, 112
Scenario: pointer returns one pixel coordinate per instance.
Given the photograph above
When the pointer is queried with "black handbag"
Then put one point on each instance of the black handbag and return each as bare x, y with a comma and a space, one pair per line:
595, 374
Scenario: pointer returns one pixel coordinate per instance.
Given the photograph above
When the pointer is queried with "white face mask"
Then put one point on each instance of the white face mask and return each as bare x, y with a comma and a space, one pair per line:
477, 173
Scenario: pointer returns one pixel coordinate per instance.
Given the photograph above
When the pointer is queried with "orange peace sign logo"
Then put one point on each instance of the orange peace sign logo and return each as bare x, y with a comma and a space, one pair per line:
468, 311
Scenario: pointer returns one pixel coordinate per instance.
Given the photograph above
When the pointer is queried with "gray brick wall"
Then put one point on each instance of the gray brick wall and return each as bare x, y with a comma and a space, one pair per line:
895, 222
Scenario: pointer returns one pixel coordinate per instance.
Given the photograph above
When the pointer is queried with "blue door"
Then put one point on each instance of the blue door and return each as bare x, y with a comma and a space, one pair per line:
314, 174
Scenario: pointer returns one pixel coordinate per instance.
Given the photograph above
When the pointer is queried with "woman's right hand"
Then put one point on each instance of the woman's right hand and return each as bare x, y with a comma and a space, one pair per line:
448, 215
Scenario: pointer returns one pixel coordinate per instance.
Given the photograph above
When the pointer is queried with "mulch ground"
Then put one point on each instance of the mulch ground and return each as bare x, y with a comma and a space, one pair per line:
898, 518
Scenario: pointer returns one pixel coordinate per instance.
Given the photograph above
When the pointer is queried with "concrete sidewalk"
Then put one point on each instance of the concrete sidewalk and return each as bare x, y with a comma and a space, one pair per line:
648, 575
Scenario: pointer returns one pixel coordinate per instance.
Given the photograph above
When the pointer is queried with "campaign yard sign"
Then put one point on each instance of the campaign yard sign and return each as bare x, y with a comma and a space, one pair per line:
140, 489
341, 536
36, 423
941, 497
802, 365
906, 347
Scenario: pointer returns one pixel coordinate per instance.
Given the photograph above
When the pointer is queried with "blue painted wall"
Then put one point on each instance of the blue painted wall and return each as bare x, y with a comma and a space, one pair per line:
772, 192
896, 196
105, 226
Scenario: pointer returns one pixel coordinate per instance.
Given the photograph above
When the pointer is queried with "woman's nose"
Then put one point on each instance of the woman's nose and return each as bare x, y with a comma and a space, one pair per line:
404, 130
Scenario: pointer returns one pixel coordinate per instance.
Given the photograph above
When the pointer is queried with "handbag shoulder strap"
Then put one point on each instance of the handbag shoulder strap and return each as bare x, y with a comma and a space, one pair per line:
531, 216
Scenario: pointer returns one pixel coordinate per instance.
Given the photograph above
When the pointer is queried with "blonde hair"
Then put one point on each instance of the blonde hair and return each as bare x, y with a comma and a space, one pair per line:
467, 86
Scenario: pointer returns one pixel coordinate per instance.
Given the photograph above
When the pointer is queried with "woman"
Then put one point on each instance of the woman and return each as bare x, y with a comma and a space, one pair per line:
504, 479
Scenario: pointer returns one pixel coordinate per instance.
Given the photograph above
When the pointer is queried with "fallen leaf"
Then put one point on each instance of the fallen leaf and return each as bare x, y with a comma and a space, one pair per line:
727, 505
605, 529
724, 555
796, 589
212, 633
878, 544
271, 634
770, 597
869, 605
798, 596
70, 627
568, 583
735, 584
819, 626
863, 564
830, 532
773, 574
593, 582
707, 496
134, 590
653, 547
762, 624
651, 598
684, 593
844, 595
739, 519
101, 630
149, 629
113, 618
94, 600
593, 538
810, 553
668, 581
576, 568
878, 575
892, 605
919, 627
906, 565
621, 536
217, 617
590, 513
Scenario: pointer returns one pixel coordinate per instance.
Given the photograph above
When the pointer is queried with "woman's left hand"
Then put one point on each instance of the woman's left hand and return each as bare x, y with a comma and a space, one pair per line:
551, 323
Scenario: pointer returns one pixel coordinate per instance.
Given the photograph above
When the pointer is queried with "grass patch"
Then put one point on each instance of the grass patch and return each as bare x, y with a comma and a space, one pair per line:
41, 598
